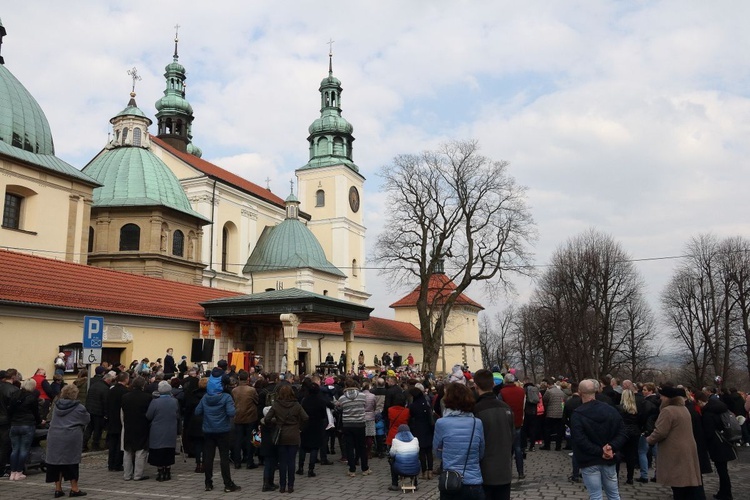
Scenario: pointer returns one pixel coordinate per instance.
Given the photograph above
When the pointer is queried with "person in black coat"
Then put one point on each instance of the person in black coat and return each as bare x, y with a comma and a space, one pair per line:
313, 436
114, 423
135, 429
721, 451
423, 428
96, 404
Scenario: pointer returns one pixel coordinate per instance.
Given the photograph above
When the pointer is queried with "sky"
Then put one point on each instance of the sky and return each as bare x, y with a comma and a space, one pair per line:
629, 117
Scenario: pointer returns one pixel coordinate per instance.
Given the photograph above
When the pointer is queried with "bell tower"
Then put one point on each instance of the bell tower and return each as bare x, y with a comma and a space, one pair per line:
331, 188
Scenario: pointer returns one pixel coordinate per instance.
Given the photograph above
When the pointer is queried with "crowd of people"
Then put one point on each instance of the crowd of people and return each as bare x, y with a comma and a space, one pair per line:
467, 430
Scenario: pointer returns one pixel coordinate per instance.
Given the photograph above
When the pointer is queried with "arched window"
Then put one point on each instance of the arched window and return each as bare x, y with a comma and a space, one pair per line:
338, 147
130, 237
224, 248
124, 135
91, 239
320, 198
355, 267
136, 136
178, 243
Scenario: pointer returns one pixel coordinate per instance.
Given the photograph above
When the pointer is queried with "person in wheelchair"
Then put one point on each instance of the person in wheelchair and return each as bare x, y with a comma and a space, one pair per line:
404, 457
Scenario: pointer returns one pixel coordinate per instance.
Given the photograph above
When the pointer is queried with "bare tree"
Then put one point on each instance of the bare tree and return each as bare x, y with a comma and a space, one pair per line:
457, 207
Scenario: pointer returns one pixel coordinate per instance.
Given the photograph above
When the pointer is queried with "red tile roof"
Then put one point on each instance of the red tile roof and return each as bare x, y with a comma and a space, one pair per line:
212, 170
30, 280
439, 286
379, 328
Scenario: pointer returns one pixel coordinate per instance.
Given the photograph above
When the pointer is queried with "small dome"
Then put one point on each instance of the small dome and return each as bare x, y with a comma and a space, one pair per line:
173, 102
133, 176
290, 245
330, 81
22, 121
331, 123
174, 67
131, 109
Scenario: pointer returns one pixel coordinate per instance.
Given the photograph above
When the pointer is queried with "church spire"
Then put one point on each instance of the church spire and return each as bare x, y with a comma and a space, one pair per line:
330, 138
173, 112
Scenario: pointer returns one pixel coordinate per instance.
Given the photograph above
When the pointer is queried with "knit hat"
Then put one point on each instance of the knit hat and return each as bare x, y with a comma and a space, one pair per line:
165, 387
403, 428
329, 381
100, 370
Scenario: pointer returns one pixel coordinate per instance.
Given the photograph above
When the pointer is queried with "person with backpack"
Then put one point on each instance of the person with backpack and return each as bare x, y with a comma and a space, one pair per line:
720, 448
529, 414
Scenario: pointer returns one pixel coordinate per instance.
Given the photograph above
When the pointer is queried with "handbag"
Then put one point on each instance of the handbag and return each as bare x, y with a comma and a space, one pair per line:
451, 480
276, 435
256, 438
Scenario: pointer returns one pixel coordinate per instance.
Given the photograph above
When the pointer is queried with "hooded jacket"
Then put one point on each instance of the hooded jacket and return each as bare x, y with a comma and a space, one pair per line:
217, 409
352, 405
405, 450
65, 435
718, 449
457, 375
289, 415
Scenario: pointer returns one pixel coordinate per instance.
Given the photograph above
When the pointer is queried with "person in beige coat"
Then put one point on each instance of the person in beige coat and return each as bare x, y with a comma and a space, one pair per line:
677, 462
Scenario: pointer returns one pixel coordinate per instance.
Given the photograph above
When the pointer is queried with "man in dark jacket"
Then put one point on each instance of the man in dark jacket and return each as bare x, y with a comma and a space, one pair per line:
499, 429
597, 433
114, 424
720, 450
515, 397
392, 389
7, 392
96, 404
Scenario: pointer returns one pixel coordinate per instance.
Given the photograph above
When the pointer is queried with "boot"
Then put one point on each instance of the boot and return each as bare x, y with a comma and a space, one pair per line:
159, 474
429, 474
311, 472
168, 473
300, 468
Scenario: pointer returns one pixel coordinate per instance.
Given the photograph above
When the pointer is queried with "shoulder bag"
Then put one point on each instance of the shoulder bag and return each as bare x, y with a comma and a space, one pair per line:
451, 480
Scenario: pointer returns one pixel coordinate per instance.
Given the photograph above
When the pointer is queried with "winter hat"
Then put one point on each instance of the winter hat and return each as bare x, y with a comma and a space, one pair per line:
165, 387
61, 355
329, 380
222, 364
403, 428
671, 392
184, 357
100, 370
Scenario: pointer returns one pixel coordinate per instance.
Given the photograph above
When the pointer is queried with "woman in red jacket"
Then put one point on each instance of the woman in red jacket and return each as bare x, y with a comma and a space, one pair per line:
398, 414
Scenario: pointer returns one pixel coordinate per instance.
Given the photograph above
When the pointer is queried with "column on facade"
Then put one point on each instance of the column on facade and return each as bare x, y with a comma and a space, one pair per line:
290, 322
348, 328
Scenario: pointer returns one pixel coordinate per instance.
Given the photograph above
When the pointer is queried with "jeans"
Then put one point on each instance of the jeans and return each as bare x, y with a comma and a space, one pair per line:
210, 442
425, 458
643, 456
313, 458
287, 454
518, 450
269, 465
354, 439
598, 477
21, 437
467, 492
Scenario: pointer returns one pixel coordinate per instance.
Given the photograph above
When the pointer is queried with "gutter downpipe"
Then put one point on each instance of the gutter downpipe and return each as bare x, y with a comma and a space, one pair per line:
211, 249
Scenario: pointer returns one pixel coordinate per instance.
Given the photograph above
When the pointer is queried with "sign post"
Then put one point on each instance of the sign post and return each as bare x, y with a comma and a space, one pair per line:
93, 339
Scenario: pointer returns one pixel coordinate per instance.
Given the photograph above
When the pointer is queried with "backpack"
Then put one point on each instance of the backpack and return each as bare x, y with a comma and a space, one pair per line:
731, 430
532, 394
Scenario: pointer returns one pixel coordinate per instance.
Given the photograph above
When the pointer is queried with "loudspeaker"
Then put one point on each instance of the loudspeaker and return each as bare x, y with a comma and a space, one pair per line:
208, 350
196, 350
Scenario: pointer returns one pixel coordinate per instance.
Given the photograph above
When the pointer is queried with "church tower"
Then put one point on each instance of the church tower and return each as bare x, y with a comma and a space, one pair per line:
330, 189
173, 112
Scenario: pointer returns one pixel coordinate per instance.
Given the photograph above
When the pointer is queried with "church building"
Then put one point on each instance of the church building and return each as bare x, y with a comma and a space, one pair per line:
247, 271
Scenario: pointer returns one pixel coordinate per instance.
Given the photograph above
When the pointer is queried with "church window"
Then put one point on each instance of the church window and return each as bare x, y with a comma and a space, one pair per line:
178, 243
91, 239
12, 211
136, 136
130, 237
355, 267
224, 248
328, 99
124, 135
178, 127
320, 198
338, 146
169, 125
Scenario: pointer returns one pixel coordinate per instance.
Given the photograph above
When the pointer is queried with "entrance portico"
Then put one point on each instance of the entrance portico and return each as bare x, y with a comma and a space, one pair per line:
274, 318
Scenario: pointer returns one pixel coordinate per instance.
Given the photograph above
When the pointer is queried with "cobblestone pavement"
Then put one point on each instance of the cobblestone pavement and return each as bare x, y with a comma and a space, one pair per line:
546, 479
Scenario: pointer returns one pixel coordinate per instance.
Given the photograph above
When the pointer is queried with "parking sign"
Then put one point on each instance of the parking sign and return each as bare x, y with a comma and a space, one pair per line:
93, 332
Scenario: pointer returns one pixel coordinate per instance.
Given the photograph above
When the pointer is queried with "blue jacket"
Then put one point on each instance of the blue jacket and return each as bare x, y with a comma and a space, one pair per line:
405, 453
217, 411
451, 442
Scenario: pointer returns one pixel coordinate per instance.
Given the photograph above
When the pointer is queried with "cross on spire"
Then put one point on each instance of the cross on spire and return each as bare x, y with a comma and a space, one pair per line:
176, 39
136, 77
268, 183
330, 55
291, 186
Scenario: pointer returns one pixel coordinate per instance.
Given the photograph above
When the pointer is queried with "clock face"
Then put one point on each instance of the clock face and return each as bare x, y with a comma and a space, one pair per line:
354, 199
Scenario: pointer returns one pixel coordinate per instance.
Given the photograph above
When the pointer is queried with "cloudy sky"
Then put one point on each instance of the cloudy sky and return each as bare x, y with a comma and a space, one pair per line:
630, 117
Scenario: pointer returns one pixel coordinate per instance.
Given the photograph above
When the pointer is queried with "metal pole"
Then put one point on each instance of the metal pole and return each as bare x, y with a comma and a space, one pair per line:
442, 339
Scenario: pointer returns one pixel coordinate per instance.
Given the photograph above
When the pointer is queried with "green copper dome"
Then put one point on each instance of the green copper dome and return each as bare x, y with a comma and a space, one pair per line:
131, 109
134, 176
331, 122
22, 122
290, 245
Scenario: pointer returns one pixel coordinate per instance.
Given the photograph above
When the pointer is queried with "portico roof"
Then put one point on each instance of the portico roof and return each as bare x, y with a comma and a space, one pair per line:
268, 306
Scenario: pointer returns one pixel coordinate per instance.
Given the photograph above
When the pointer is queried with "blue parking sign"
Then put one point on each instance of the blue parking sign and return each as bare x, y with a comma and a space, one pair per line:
93, 332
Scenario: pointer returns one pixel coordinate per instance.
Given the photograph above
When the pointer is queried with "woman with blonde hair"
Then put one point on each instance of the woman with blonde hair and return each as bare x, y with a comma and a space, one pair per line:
633, 427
